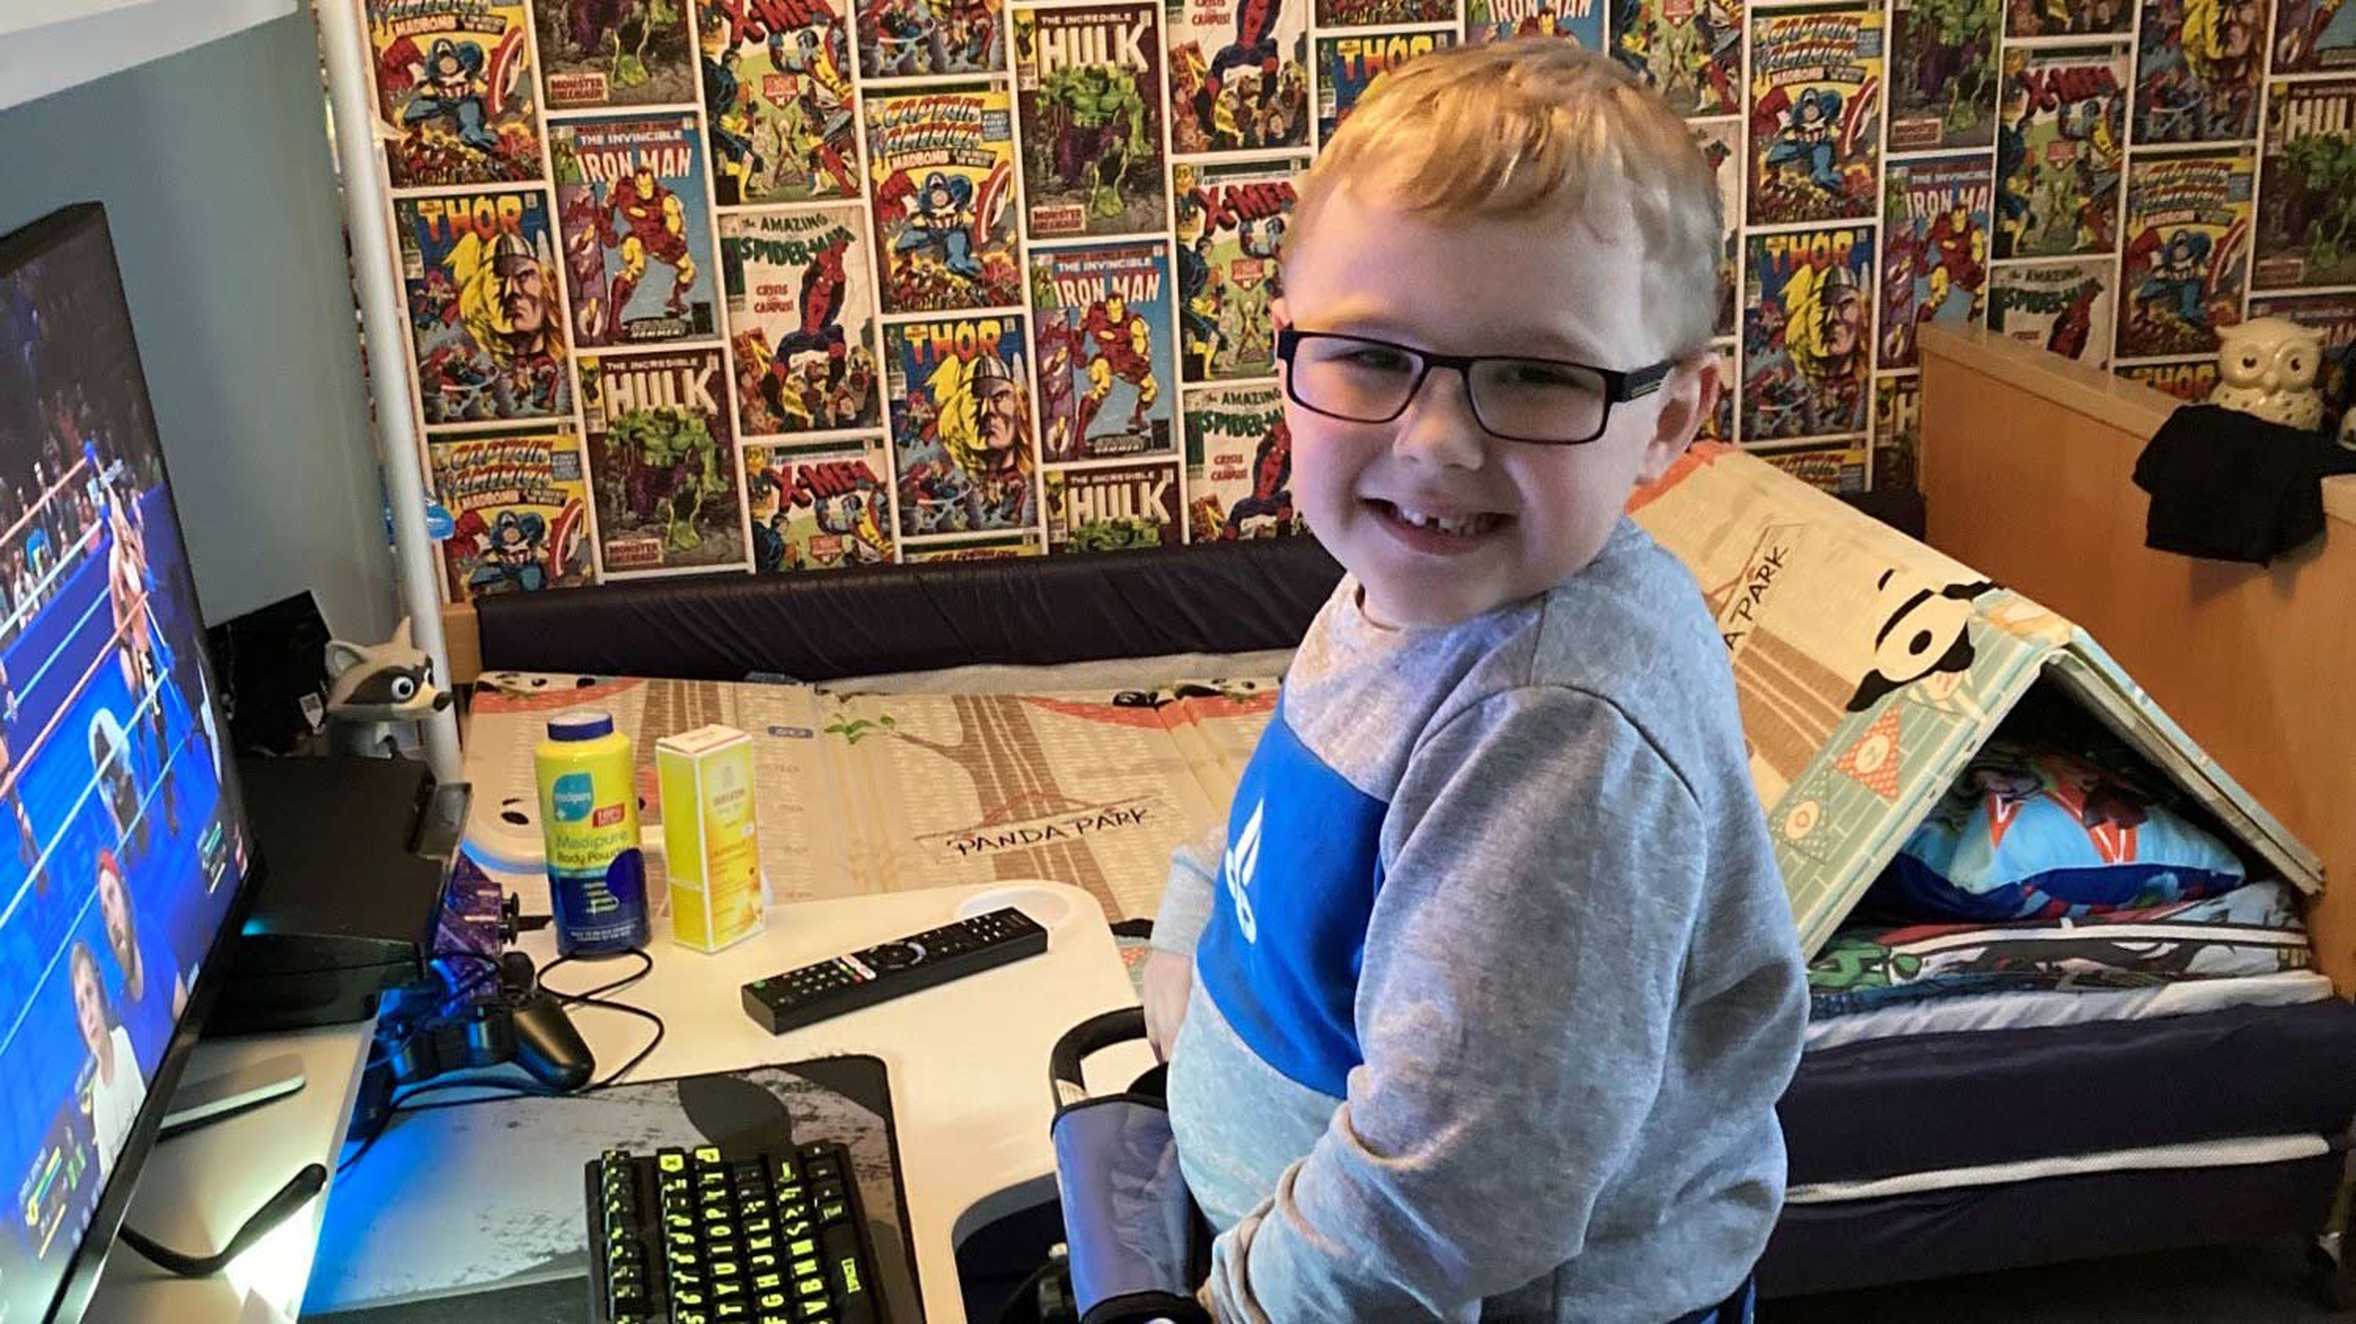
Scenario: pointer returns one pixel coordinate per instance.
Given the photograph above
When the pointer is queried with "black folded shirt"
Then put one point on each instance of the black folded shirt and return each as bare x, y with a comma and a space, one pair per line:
2233, 487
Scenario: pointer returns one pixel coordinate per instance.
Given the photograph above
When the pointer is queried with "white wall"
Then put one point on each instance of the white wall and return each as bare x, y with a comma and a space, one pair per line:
213, 165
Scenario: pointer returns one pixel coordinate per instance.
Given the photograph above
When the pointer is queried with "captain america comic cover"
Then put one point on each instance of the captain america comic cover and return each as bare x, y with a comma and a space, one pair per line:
2060, 143
485, 319
1807, 333
2067, 18
1348, 63
1239, 464
1897, 431
1101, 327
1088, 92
1579, 22
2187, 259
930, 38
1935, 213
2307, 192
1719, 426
1113, 507
1231, 222
964, 447
518, 504
2314, 36
1689, 51
1239, 74
1816, 113
2196, 71
2332, 314
2189, 380
942, 164
819, 510
1721, 145
597, 53
781, 114
1942, 74
662, 470
637, 233
2066, 308
454, 91
801, 320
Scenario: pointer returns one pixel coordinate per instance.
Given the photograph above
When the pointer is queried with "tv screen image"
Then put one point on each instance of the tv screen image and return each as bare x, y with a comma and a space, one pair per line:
123, 847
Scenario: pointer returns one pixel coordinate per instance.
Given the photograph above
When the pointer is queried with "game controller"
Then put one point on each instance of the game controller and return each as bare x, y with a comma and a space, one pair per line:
521, 1023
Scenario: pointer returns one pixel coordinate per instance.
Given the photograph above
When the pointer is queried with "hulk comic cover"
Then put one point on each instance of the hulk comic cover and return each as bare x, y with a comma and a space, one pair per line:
2334, 316
1579, 22
2307, 217
2064, 308
801, 319
1807, 333
1113, 507
929, 38
1934, 248
2196, 71
1239, 464
485, 318
819, 510
1690, 51
637, 232
1383, 13
1721, 144
662, 471
2314, 36
1231, 219
614, 53
1839, 467
2187, 259
1897, 432
963, 446
2190, 380
2067, 18
941, 161
1239, 74
2060, 139
780, 112
1103, 343
1816, 117
1942, 74
1088, 89
1348, 63
454, 91
518, 505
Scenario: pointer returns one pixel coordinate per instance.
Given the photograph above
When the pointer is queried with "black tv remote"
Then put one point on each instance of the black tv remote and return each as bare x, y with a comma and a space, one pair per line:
876, 974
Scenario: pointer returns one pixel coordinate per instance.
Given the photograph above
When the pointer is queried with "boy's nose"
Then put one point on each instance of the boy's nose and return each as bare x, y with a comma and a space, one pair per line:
1438, 427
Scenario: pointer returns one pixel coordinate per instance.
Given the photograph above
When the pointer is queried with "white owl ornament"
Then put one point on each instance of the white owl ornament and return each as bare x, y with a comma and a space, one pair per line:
2267, 368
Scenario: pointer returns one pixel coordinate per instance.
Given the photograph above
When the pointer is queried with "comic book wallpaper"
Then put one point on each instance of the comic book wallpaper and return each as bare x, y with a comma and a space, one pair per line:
484, 315
596, 53
822, 510
662, 468
2307, 230
780, 112
637, 236
1085, 83
1107, 358
934, 262
518, 504
801, 319
1816, 123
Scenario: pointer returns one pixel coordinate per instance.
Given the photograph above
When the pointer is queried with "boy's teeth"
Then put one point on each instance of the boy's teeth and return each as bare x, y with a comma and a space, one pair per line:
1461, 526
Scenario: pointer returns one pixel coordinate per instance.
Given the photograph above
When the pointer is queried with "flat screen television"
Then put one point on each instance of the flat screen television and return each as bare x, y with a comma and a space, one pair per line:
124, 849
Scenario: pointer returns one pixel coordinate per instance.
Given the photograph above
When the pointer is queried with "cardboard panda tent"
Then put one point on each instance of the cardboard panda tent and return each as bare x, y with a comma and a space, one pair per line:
1871, 668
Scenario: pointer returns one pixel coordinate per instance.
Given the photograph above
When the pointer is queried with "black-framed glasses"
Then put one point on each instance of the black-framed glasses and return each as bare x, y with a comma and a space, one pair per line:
1554, 402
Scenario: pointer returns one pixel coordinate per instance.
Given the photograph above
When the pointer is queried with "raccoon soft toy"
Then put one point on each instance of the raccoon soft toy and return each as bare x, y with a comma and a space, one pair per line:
373, 689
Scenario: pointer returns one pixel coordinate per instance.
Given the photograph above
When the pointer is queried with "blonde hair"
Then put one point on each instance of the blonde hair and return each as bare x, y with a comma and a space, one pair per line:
1536, 126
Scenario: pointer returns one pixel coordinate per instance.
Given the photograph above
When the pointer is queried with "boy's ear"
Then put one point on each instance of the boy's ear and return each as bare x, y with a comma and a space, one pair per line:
1688, 396
1279, 314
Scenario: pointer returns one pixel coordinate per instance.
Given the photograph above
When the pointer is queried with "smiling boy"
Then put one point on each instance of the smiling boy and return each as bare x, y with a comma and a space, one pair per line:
1481, 1003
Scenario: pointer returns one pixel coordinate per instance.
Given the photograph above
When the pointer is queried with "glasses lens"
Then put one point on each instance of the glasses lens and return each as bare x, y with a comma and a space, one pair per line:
1534, 400
1353, 379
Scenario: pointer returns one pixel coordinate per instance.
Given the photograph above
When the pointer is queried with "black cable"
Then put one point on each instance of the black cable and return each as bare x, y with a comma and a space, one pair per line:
297, 1192
1014, 1310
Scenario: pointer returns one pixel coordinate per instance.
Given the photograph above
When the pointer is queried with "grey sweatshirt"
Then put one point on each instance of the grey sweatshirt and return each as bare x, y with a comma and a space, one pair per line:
1495, 981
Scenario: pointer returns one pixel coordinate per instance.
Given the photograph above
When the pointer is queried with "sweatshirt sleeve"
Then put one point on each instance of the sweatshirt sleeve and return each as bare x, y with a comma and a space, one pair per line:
1186, 898
1521, 971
